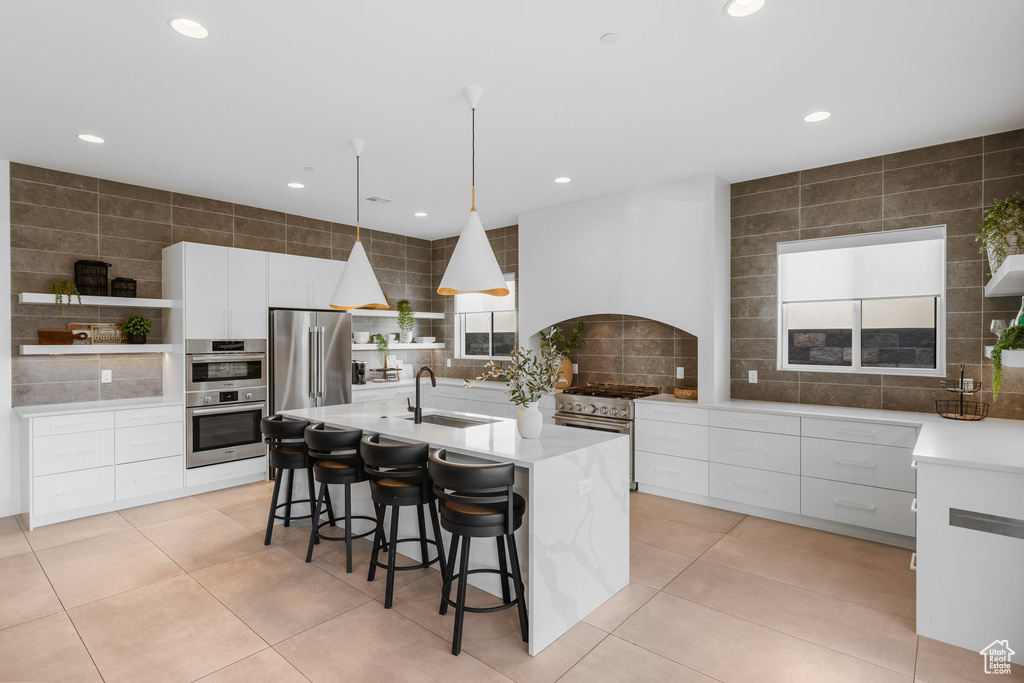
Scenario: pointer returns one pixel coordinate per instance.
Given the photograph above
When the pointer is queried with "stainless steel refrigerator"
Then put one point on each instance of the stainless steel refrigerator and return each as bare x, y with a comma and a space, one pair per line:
310, 359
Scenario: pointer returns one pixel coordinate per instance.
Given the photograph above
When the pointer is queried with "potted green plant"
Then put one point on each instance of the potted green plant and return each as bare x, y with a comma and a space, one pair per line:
567, 347
382, 348
63, 291
1002, 230
406, 320
527, 376
1010, 339
135, 328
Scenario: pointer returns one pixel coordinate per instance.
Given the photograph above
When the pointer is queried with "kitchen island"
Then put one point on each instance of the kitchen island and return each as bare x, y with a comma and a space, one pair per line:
575, 536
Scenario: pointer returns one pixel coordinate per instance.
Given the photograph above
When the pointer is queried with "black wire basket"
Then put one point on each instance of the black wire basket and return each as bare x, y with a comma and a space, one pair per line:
962, 410
123, 286
91, 277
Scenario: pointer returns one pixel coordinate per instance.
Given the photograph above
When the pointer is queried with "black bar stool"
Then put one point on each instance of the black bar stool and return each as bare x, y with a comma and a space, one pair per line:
477, 502
398, 478
335, 456
286, 440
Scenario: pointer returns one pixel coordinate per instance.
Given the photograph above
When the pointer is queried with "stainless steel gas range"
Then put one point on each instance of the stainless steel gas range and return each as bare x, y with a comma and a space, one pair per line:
602, 407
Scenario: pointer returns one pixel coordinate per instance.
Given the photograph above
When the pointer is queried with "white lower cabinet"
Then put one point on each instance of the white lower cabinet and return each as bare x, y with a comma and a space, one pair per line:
149, 476
133, 444
763, 451
866, 506
200, 476
858, 463
71, 452
56, 493
773, 490
678, 474
672, 438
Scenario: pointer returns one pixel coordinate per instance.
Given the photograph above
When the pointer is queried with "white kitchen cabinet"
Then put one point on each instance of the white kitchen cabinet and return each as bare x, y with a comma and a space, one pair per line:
669, 472
225, 471
756, 422
774, 452
867, 506
225, 292
71, 452
57, 493
148, 477
859, 432
858, 463
302, 281
667, 412
765, 489
672, 438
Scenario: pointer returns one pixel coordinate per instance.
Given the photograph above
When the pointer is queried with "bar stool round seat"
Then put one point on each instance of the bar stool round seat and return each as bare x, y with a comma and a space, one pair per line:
285, 439
399, 478
336, 461
477, 501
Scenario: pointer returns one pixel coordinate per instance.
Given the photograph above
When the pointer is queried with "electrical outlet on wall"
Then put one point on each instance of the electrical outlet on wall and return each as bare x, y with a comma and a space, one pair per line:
752, 376
680, 373
448, 362
575, 369
106, 376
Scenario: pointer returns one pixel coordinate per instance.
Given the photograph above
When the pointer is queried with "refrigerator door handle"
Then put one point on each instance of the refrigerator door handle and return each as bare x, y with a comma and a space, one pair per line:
310, 369
322, 362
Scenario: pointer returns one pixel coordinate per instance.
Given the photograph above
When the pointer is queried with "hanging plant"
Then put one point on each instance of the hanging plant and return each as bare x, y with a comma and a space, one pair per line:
1002, 230
63, 291
1010, 339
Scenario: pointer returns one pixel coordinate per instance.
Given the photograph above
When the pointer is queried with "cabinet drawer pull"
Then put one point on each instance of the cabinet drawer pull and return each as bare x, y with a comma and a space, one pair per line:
747, 449
913, 506
69, 453
69, 491
913, 561
749, 421
658, 469
855, 432
667, 438
752, 487
661, 412
859, 506
854, 463
136, 444
151, 477
913, 463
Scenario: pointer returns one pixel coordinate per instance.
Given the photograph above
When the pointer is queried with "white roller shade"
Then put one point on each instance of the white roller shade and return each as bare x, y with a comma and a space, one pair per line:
486, 303
892, 264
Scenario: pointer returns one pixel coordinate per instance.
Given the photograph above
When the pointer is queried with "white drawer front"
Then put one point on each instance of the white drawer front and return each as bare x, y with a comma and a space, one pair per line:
666, 412
70, 452
369, 395
152, 476
756, 422
775, 452
672, 438
446, 391
861, 432
858, 463
150, 442
755, 487
865, 506
485, 408
72, 424
678, 474
225, 471
149, 416
71, 490
399, 394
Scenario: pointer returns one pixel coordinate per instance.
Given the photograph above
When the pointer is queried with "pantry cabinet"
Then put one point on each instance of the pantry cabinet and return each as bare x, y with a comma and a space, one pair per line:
224, 290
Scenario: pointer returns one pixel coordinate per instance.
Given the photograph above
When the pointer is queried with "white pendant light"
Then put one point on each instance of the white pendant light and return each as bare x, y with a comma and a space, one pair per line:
473, 268
357, 286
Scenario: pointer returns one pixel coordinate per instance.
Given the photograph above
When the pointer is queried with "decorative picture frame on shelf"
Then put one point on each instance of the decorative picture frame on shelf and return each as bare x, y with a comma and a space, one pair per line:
106, 334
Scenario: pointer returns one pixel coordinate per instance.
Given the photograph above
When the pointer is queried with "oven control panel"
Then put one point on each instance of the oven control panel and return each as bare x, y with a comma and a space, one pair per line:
196, 399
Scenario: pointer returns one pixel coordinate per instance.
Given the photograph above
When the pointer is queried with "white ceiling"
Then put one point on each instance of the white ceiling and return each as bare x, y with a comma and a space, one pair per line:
282, 85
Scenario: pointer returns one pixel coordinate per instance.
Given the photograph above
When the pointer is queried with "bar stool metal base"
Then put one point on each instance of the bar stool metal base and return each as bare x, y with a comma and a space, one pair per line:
323, 500
382, 543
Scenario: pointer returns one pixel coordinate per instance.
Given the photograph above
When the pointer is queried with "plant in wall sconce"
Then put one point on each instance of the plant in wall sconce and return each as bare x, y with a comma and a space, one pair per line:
63, 291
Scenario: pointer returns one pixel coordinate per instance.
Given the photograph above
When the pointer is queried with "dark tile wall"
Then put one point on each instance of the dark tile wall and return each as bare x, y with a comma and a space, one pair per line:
58, 218
944, 184
624, 349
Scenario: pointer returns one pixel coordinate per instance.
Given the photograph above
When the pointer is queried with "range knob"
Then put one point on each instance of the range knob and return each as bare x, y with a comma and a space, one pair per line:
604, 410
579, 408
614, 411
591, 409
248, 394
206, 399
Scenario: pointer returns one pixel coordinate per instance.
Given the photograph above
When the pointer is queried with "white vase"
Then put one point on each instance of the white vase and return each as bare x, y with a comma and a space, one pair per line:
406, 336
529, 420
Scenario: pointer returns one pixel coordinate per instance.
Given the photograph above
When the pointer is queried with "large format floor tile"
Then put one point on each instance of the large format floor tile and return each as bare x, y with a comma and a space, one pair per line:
616, 661
46, 649
254, 513
939, 662
277, 594
654, 567
675, 537
12, 538
235, 495
100, 567
267, 665
161, 512
885, 591
371, 643
732, 649
620, 607
25, 592
170, 631
687, 513
198, 541
875, 636
51, 535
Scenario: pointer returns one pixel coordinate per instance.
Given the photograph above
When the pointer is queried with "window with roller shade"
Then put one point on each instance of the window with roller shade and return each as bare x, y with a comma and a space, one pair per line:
872, 303
485, 325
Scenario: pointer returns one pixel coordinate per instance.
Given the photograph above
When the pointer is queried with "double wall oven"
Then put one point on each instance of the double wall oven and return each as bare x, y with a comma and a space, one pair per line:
225, 399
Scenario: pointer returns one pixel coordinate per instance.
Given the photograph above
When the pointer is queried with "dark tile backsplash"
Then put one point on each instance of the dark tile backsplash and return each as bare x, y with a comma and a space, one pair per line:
944, 184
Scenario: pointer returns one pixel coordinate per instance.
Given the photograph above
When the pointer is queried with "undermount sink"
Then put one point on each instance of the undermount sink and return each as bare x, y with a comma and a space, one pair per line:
449, 421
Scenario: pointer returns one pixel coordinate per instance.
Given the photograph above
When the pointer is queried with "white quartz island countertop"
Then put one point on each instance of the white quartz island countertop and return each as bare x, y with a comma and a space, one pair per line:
576, 485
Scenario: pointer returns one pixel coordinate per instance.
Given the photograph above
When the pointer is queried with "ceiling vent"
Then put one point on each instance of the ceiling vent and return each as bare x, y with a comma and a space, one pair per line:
379, 200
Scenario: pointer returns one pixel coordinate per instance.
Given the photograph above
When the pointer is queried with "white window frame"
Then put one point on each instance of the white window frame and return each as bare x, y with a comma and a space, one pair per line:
782, 334
460, 341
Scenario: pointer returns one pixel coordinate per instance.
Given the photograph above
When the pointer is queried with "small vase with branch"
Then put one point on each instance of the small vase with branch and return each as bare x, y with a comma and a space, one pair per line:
528, 376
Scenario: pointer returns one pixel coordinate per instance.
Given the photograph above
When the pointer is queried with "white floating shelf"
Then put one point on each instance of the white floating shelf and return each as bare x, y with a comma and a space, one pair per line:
120, 301
85, 349
369, 313
397, 346
1011, 358
1009, 279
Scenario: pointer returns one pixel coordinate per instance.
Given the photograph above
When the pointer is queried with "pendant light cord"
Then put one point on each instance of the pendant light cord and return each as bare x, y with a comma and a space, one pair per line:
473, 207
357, 198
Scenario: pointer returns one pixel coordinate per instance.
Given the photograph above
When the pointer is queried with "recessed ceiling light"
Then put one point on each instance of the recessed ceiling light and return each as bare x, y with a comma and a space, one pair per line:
609, 38
563, 179
816, 116
742, 8
189, 28
296, 186
91, 138
419, 214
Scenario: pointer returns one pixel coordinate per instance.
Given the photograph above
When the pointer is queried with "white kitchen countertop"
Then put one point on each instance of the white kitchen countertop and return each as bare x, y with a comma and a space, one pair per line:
498, 441
96, 406
447, 381
991, 443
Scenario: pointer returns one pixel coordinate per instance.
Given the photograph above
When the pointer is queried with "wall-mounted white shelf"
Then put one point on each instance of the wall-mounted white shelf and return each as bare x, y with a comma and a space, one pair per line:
121, 301
86, 349
397, 346
1009, 279
368, 313
1011, 358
